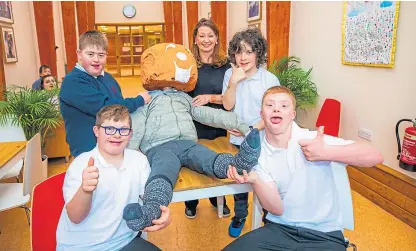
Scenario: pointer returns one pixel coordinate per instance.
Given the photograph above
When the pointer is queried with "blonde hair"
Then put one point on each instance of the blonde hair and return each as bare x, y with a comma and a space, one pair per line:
93, 38
280, 89
218, 59
113, 112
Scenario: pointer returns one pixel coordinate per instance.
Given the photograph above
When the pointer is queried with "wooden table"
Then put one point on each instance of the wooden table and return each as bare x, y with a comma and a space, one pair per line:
10, 154
192, 185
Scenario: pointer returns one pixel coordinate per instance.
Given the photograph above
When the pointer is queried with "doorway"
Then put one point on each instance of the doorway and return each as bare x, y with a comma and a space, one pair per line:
126, 43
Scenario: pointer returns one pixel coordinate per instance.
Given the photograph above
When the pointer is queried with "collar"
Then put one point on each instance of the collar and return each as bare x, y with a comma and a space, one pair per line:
79, 67
270, 150
257, 75
102, 161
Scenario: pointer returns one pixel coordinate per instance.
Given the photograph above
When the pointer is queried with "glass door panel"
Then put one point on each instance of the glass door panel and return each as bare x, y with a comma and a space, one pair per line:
112, 57
125, 51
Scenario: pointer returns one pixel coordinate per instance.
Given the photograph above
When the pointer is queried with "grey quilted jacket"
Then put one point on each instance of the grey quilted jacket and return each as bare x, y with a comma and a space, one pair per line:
169, 116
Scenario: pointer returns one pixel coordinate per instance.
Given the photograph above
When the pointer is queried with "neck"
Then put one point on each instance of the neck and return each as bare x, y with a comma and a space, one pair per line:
206, 57
115, 160
251, 72
279, 140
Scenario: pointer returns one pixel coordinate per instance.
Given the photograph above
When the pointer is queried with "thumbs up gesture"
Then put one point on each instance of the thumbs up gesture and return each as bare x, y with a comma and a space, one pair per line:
90, 177
314, 149
238, 74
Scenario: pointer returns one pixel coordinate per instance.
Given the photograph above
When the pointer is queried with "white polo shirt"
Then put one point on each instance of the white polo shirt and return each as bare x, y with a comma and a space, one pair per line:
249, 93
308, 190
104, 227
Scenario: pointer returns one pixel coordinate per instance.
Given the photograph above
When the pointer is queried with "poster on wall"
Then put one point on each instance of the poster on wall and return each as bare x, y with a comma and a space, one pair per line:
9, 44
369, 33
6, 13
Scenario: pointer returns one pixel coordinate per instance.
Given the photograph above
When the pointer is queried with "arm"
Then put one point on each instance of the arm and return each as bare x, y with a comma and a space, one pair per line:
218, 118
259, 125
85, 96
265, 189
138, 119
228, 90
79, 207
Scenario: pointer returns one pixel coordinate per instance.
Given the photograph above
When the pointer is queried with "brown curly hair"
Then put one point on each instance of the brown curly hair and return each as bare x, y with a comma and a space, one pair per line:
218, 59
252, 37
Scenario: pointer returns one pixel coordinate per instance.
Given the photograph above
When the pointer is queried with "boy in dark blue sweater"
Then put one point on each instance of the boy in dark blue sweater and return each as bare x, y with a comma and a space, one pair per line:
87, 89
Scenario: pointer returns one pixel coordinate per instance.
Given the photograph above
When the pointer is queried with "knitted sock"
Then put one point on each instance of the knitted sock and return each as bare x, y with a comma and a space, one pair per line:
157, 192
245, 159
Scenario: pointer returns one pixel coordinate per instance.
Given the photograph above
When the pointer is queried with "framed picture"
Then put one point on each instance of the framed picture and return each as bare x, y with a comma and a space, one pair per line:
9, 44
254, 26
6, 13
253, 10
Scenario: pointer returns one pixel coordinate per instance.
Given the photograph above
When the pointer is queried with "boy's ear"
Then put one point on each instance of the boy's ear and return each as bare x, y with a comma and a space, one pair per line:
96, 129
294, 115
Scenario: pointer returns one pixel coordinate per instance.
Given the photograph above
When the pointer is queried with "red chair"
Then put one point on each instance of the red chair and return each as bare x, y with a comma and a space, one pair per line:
47, 204
330, 116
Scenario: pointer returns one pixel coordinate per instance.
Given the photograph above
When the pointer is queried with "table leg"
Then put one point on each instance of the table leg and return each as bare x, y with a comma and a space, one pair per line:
220, 206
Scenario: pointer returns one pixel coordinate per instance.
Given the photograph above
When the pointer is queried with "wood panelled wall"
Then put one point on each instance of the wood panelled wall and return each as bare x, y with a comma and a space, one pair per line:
192, 18
46, 34
85, 16
387, 188
70, 33
2, 77
219, 17
278, 27
172, 11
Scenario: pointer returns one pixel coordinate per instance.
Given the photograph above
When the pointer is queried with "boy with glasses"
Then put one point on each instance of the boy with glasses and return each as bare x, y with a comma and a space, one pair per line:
87, 89
99, 184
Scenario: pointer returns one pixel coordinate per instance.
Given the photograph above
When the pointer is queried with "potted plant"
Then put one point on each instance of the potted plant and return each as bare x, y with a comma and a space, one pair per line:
297, 80
35, 111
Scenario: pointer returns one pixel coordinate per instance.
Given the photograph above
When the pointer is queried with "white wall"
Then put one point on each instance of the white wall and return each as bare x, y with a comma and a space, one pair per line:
112, 12
204, 7
25, 71
372, 98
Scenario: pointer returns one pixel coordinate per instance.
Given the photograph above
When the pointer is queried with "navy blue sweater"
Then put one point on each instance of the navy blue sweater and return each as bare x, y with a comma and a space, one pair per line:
81, 97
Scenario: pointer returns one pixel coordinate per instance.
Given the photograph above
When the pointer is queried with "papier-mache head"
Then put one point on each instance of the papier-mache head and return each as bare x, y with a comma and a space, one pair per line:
168, 65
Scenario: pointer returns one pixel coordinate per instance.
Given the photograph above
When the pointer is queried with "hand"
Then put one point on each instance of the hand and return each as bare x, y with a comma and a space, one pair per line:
146, 96
314, 149
201, 100
162, 222
237, 75
235, 132
250, 178
90, 177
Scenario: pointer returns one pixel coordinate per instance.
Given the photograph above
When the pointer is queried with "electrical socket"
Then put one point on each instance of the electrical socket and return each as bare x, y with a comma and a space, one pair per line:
365, 134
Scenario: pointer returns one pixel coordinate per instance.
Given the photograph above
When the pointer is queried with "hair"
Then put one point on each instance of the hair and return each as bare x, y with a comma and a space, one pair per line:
218, 59
93, 38
280, 89
252, 37
42, 81
43, 67
113, 112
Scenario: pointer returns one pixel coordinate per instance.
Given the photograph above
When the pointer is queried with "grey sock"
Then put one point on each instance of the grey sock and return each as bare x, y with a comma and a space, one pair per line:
221, 164
158, 192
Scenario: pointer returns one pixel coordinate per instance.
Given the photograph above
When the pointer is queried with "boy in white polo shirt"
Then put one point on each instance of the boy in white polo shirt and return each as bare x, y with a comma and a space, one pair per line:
295, 183
99, 184
243, 88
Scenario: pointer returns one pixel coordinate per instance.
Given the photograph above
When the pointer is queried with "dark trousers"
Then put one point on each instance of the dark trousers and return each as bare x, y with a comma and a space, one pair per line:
139, 244
167, 159
280, 237
192, 204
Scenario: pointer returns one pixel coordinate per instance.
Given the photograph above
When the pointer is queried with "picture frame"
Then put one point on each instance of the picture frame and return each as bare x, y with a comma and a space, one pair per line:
9, 44
255, 25
6, 12
254, 10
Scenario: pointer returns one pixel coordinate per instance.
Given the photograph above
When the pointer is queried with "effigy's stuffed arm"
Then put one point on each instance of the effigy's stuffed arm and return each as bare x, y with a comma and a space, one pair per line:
138, 120
218, 118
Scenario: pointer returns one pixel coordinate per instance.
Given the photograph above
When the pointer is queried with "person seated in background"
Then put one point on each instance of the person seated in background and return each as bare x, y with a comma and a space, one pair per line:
295, 183
43, 71
48, 82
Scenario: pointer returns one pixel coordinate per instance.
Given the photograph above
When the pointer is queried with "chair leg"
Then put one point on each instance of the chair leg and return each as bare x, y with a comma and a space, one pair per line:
17, 178
66, 159
354, 247
27, 210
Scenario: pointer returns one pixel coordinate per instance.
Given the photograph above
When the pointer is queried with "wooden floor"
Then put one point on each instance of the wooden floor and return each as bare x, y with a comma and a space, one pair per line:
375, 229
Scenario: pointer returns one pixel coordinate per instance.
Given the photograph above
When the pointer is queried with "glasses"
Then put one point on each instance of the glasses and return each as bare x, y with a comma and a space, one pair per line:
111, 130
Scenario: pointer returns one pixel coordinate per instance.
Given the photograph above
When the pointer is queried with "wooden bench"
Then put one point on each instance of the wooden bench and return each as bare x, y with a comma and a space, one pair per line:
192, 185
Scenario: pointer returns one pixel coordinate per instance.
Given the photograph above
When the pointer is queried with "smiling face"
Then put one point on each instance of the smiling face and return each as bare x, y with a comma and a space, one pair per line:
168, 65
116, 143
48, 83
92, 59
278, 112
206, 40
246, 58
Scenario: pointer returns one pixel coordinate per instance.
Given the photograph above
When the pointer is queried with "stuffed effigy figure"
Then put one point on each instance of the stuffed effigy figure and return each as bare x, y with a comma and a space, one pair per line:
164, 131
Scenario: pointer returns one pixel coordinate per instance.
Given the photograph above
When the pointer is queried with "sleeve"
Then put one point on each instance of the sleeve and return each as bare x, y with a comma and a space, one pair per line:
227, 77
80, 93
274, 81
263, 174
218, 118
144, 174
73, 178
138, 120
